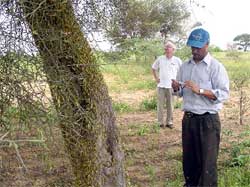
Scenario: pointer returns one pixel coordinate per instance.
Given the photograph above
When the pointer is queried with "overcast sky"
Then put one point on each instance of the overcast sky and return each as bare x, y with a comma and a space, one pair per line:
224, 19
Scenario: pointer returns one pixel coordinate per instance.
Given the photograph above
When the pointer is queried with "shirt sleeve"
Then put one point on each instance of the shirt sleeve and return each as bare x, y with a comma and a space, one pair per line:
155, 65
179, 78
220, 84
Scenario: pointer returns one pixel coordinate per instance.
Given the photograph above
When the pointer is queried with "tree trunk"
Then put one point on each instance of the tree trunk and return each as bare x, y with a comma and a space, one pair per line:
79, 93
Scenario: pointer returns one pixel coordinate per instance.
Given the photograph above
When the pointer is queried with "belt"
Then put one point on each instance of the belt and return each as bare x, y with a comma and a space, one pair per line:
191, 114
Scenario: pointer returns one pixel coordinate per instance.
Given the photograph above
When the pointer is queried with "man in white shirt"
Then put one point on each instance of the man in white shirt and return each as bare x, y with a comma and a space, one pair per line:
165, 69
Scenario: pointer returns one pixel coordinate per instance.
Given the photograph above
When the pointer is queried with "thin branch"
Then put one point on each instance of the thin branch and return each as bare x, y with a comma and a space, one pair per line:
38, 7
20, 157
4, 136
16, 141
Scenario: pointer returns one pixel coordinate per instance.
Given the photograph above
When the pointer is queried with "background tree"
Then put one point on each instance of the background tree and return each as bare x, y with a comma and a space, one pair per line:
78, 91
243, 41
142, 19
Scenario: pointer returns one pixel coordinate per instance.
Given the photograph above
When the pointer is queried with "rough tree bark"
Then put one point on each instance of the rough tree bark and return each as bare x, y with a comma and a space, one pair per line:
79, 93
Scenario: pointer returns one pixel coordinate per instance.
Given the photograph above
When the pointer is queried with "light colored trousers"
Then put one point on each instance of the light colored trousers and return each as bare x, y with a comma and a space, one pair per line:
164, 96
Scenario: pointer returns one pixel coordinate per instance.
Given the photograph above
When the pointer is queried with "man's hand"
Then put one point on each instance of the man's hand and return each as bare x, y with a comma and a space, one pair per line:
193, 86
175, 85
157, 80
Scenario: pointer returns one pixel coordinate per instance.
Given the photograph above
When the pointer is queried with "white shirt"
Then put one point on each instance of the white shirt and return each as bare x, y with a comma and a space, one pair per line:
167, 69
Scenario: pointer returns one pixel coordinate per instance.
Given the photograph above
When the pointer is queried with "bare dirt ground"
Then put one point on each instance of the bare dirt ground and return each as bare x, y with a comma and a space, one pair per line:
153, 157
160, 150
152, 154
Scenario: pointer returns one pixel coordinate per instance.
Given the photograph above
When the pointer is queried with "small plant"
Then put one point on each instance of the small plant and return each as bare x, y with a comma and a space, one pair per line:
245, 133
178, 178
143, 130
177, 104
121, 107
152, 174
234, 176
240, 154
156, 128
148, 104
227, 132
240, 160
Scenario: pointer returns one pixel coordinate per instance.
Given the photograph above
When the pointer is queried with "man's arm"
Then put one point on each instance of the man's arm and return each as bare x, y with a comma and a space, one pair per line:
155, 75
196, 89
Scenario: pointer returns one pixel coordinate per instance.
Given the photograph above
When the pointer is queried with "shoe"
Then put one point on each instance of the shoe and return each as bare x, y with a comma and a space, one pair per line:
170, 126
162, 125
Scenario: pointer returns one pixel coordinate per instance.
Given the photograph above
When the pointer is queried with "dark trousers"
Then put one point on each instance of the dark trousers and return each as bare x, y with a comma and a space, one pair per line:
200, 143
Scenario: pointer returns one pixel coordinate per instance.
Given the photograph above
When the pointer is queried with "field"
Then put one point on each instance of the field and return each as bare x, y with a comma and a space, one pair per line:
152, 154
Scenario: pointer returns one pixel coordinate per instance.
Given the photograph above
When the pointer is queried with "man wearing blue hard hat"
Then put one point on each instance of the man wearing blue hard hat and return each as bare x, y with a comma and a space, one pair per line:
203, 83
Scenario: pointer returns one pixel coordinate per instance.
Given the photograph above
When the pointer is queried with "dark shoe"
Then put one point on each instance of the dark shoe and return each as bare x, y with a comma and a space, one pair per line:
170, 126
162, 125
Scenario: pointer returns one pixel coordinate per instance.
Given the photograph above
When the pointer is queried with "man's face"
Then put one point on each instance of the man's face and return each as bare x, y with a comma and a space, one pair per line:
169, 50
199, 53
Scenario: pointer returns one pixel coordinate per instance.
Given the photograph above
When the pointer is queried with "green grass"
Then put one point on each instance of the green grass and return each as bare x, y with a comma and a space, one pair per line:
238, 176
142, 85
177, 178
177, 103
148, 104
234, 177
121, 107
139, 129
129, 76
151, 171
146, 129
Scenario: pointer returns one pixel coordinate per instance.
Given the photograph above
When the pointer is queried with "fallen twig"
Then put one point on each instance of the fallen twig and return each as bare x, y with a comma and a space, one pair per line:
4, 135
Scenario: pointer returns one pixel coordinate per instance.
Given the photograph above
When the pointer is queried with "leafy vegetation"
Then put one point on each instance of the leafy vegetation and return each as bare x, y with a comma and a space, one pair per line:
243, 41
142, 19
121, 107
149, 104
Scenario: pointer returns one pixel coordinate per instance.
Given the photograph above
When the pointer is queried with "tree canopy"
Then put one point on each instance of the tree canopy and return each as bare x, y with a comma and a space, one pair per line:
142, 19
92, 15
243, 40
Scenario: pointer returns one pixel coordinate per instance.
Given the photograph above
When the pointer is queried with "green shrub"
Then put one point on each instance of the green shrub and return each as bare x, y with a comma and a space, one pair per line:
240, 154
149, 104
236, 176
143, 130
121, 107
183, 53
177, 103
214, 49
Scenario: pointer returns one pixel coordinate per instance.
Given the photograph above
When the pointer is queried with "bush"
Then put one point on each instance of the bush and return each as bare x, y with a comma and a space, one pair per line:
177, 103
149, 104
121, 107
215, 49
183, 53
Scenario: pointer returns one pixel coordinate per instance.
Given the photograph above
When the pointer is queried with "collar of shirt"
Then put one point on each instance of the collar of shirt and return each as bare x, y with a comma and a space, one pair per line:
207, 59
171, 60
